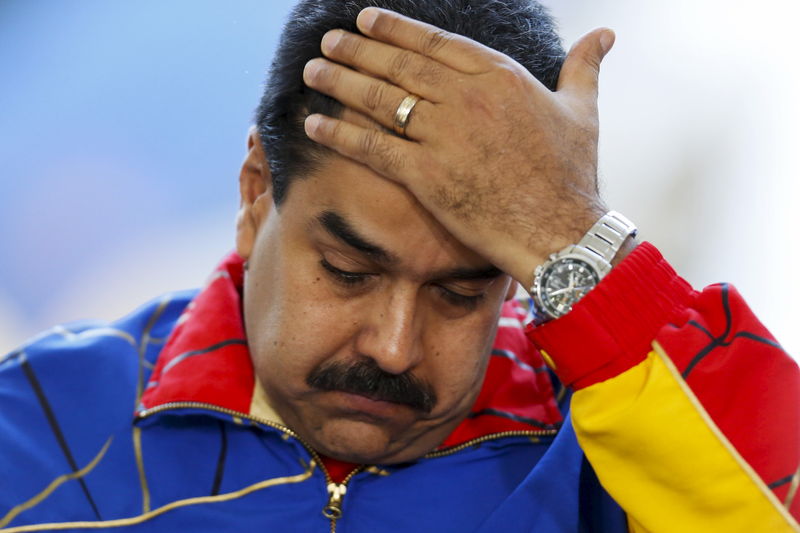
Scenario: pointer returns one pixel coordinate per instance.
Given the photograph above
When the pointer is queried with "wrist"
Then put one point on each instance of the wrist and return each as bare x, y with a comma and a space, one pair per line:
568, 275
618, 320
532, 252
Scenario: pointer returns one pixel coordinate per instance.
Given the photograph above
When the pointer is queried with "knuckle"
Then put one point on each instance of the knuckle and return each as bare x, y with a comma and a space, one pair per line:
484, 104
391, 161
370, 143
433, 41
473, 96
373, 96
328, 77
431, 74
399, 64
353, 46
395, 163
592, 64
385, 25
509, 75
379, 153
334, 75
334, 129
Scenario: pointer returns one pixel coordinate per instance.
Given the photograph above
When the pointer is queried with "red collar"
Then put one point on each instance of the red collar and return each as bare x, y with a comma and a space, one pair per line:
206, 360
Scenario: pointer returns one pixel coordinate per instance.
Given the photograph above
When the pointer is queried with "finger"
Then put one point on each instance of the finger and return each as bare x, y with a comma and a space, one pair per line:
453, 50
389, 156
375, 98
582, 66
418, 74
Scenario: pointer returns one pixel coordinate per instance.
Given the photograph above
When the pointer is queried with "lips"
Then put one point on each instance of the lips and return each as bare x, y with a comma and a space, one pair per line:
373, 408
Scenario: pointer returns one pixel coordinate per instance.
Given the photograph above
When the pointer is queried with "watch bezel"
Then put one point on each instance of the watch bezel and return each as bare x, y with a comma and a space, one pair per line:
574, 252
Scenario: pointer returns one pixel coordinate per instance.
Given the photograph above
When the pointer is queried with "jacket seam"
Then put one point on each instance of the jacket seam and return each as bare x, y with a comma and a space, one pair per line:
144, 517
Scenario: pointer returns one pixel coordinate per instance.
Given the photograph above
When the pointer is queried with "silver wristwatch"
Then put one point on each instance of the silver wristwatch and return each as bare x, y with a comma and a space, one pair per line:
568, 275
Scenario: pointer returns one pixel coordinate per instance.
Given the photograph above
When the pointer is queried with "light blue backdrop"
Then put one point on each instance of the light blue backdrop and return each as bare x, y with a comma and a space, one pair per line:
118, 119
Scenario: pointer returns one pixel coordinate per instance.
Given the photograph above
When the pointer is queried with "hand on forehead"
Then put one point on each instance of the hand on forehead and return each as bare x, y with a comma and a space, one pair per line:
507, 166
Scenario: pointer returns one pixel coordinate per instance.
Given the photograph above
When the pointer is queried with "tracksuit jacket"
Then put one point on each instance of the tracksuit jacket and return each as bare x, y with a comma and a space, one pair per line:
683, 417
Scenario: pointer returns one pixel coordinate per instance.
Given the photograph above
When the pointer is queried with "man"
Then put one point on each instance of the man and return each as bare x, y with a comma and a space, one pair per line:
354, 367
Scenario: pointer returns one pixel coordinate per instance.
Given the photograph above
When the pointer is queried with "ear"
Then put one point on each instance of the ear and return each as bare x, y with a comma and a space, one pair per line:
255, 190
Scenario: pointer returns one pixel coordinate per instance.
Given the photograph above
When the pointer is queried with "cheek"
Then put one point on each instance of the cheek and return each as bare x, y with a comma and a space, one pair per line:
293, 323
460, 354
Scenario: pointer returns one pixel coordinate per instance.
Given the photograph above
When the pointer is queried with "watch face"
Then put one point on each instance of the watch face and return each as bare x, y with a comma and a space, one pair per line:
565, 282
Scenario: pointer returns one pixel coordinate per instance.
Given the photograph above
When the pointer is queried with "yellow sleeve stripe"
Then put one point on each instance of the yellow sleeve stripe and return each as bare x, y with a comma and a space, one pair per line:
658, 453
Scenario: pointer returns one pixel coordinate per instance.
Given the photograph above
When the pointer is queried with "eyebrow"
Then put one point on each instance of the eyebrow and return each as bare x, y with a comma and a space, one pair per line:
340, 228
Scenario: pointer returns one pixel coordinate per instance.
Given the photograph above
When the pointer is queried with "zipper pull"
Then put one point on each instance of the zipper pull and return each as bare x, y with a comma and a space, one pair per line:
333, 510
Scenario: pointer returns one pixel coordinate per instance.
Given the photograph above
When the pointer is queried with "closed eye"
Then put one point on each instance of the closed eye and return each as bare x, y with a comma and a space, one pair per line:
460, 300
343, 276
355, 279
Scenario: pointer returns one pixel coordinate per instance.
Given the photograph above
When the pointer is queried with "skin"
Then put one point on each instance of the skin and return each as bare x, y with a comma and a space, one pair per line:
405, 315
494, 170
505, 165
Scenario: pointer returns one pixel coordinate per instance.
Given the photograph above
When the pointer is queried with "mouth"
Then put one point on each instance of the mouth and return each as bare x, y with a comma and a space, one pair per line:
353, 404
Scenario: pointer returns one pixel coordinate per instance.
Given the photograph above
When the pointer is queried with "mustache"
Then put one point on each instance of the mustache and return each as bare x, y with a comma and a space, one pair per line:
366, 378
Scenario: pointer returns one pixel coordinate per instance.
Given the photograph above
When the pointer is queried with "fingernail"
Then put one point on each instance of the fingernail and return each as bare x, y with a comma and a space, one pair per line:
330, 40
366, 18
310, 70
311, 124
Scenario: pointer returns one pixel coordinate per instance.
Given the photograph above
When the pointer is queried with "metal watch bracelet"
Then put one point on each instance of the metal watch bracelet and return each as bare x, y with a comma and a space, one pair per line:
606, 237
569, 274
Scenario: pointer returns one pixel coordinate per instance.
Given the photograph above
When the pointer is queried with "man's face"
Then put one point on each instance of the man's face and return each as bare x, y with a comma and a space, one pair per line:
369, 326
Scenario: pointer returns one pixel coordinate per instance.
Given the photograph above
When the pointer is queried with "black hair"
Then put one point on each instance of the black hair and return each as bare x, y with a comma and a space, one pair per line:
521, 29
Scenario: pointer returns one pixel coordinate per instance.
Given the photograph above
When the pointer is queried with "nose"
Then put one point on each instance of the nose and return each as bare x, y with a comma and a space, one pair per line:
391, 334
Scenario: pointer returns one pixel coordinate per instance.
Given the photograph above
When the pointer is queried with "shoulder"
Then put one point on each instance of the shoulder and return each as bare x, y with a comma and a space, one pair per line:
73, 388
76, 343
84, 369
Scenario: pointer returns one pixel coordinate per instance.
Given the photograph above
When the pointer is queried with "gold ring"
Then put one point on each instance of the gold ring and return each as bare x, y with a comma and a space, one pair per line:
403, 113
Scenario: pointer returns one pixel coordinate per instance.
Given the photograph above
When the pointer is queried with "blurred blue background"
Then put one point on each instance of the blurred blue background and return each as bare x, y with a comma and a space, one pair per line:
123, 125
119, 120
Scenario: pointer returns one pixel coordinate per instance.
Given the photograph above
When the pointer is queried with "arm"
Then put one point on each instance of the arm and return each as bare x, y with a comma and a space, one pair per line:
509, 168
686, 407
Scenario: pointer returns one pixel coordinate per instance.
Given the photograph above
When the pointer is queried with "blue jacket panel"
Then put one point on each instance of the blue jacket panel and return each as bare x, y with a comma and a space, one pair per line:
74, 458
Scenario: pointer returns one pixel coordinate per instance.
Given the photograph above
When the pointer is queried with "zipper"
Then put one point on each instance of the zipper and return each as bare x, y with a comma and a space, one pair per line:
336, 491
519, 433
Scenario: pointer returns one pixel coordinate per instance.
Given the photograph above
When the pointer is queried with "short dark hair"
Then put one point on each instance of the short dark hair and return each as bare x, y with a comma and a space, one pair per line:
521, 29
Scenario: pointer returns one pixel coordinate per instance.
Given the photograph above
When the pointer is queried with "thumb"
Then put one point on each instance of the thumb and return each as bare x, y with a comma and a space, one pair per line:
582, 66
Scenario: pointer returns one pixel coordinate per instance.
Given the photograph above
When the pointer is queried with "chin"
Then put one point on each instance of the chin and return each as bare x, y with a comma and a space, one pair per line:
357, 441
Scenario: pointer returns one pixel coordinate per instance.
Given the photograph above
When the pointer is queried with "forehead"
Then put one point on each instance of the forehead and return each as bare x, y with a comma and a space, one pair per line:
383, 211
